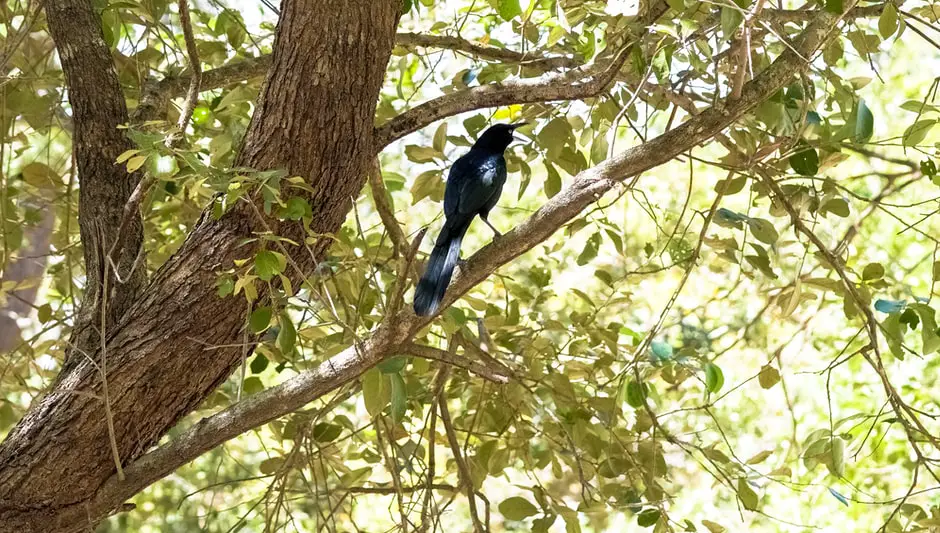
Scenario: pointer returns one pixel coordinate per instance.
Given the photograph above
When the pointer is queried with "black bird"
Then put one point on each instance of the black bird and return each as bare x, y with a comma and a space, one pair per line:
474, 184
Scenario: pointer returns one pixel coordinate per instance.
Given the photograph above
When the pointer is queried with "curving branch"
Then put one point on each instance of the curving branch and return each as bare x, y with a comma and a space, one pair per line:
485, 51
489, 370
582, 82
398, 329
257, 67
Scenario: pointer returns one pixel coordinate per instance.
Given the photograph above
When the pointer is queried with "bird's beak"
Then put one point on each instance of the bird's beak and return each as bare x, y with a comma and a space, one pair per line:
517, 125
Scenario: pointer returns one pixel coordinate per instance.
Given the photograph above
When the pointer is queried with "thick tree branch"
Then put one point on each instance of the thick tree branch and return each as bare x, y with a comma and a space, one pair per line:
247, 69
158, 366
583, 82
484, 51
803, 15
348, 365
98, 109
235, 72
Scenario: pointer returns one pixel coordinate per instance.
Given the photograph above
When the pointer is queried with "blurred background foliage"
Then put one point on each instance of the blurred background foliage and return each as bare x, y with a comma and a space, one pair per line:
684, 358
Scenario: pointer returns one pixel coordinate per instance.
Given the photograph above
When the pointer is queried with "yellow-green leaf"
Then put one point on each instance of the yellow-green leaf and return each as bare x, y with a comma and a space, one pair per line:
134, 163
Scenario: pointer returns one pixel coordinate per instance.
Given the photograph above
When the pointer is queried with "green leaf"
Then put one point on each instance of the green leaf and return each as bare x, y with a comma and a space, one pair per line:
44, 313
259, 364
763, 230
398, 397
888, 21
894, 335
714, 377
260, 319
517, 508
590, 249
636, 393
271, 466
928, 330
768, 377
599, 149
873, 271
440, 137
678, 5
125, 156
136, 162
730, 186
834, 6
837, 451
648, 517
287, 336
375, 391
917, 132
421, 154
713, 527
296, 209
805, 162
426, 184
747, 495
269, 264
864, 122
392, 365
326, 432
731, 18
833, 52
509, 9
837, 206
552, 181
759, 458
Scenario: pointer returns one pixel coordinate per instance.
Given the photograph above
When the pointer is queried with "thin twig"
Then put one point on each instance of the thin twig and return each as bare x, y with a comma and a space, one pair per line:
195, 81
103, 365
496, 375
466, 482
381, 198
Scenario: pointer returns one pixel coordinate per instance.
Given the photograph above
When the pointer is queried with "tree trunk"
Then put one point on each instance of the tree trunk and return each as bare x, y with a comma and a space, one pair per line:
314, 119
98, 108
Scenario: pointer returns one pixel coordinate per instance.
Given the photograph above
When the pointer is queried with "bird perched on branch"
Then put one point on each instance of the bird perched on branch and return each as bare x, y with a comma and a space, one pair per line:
474, 184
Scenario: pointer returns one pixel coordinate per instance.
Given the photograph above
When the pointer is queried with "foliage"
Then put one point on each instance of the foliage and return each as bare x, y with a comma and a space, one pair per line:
685, 357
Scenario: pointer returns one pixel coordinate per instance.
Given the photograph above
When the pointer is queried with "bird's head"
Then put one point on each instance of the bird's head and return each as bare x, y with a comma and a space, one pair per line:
498, 137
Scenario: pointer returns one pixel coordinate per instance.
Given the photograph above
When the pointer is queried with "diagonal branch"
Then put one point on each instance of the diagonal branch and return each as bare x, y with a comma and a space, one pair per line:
486, 370
486, 52
257, 67
349, 364
380, 197
583, 82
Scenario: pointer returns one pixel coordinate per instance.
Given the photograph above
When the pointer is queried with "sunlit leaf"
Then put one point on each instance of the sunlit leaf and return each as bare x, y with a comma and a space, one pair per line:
398, 397
714, 377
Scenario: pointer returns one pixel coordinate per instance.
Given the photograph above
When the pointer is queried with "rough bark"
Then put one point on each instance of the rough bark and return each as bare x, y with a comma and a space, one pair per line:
314, 119
98, 108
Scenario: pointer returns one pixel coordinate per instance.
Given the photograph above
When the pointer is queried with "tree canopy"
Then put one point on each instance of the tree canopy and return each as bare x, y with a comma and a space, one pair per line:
711, 308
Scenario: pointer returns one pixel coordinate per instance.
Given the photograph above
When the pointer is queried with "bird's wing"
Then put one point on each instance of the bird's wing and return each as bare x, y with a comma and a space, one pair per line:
479, 190
460, 173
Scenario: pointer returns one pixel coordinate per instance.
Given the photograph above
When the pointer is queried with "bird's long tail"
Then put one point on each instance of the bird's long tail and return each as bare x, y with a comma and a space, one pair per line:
440, 267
